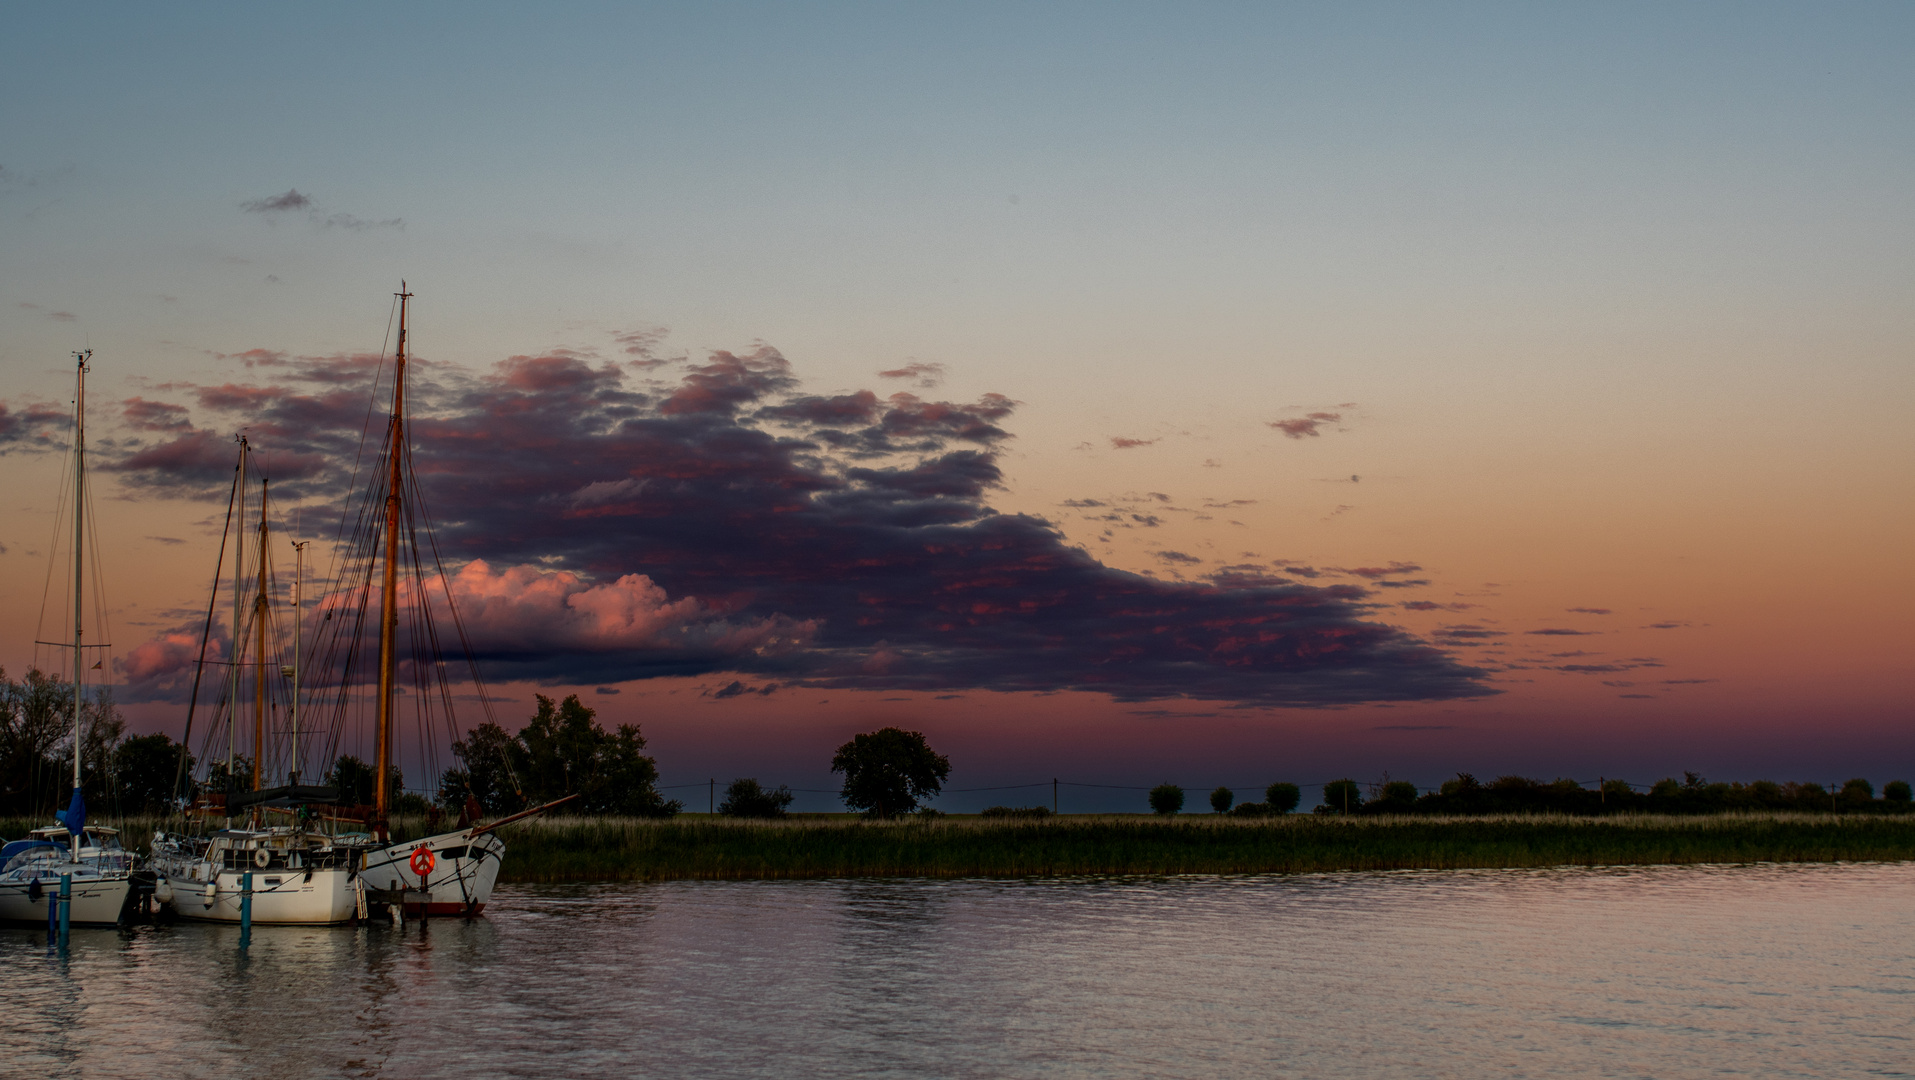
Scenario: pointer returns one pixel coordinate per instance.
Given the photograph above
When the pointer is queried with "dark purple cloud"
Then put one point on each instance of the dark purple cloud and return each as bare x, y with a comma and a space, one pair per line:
1307, 426
925, 376
34, 427
732, 523
272, 204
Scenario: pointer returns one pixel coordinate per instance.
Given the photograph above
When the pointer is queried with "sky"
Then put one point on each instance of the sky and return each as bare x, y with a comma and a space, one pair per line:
1118, 393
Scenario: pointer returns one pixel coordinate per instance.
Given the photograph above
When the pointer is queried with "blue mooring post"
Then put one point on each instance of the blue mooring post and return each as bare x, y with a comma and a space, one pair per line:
53, 919
66, 907
245, 909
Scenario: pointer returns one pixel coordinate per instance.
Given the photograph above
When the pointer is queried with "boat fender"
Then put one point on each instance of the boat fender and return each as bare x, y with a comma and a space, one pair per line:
262, 858
163, 891
359, 895
212, 893
34, 891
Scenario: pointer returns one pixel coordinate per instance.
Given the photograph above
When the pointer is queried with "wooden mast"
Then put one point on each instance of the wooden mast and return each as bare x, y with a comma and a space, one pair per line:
232, 670
388, 602
259, 659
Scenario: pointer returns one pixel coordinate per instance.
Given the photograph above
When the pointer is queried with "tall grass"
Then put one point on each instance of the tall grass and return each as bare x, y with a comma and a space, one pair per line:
575, 849
619, 849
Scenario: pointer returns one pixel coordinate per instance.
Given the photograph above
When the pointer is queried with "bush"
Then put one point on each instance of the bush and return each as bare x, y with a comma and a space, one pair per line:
1166, 798
1343, 796
1896, 791
1857, 793
1015, 812
1282, 797
1397, 796
1250, 809
1221, 799
745, 798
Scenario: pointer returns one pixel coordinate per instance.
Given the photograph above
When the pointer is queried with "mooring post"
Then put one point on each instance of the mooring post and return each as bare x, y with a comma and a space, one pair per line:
245, 909
53, 918
66, 907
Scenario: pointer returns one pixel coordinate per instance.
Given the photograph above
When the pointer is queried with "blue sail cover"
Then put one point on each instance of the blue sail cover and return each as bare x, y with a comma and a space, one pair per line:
74, 816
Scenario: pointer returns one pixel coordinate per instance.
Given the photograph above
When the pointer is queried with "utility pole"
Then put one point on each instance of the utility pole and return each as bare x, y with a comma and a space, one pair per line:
711, 796
1053, 795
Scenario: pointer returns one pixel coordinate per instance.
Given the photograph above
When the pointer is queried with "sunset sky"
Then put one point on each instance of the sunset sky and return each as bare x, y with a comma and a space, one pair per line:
1118, 393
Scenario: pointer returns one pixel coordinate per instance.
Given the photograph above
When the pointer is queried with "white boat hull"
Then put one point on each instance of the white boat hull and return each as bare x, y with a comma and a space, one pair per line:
289, 896
96, 901
459, 882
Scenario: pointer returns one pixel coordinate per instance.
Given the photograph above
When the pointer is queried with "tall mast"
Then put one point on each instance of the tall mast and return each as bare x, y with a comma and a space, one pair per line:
299, 599
259, 661
388, 602
79, 556
232, 673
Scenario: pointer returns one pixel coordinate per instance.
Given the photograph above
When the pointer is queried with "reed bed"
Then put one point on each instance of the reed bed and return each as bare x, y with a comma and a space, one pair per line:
565, 849
575, 849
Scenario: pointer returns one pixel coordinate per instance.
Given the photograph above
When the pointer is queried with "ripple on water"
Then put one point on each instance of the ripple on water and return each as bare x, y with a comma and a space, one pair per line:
1668, 971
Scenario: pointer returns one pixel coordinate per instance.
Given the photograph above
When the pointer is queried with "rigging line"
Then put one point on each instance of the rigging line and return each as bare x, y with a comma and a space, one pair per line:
372, 401
212, 600
53, 542
458, 626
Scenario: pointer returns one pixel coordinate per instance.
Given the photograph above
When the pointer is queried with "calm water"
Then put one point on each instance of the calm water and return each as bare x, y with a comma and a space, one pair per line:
1771, 971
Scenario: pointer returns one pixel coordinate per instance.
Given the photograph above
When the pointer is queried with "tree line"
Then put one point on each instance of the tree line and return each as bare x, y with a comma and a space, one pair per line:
1465, 794
563, 750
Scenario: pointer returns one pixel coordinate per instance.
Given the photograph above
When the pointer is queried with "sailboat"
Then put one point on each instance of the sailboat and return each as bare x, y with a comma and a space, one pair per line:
321, 876
296, 870
98, 872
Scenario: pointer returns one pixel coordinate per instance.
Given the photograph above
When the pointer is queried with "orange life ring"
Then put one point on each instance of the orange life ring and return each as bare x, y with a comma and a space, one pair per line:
422, 861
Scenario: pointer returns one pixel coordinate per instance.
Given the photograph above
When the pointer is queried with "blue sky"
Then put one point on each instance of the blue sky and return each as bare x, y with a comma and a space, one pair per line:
1611, 300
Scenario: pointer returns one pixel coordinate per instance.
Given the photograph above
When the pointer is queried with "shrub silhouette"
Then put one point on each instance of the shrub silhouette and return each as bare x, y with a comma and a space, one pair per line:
1857, 793
1397, 796
1343, 796
745, 798
1896, 791
1282, 797
1221, 799
1166, 798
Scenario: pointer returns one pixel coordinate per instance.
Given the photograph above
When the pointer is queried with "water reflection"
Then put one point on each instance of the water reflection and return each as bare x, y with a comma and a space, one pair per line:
1778, 970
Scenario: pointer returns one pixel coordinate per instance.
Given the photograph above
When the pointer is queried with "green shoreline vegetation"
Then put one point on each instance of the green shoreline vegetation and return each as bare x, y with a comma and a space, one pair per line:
698, 847
578, 849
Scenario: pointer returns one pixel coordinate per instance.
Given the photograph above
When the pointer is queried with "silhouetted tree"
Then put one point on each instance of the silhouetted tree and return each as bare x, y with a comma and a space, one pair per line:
490, 759
143, 768
886, 772
1896, 791
1166, 799
1282, 797
567, 751
562, 750
1221, 799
